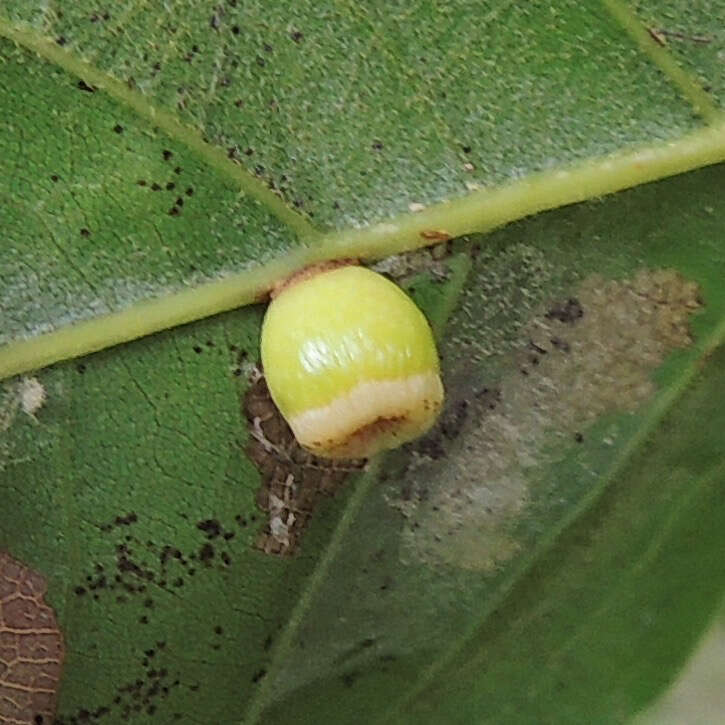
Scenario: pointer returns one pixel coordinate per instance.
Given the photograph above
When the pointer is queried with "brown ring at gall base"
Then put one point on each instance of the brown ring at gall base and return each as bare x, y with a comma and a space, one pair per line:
308, 272
359, 440
374, 416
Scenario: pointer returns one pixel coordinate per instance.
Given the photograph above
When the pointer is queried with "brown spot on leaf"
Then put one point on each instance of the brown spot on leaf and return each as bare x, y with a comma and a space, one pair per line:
31, 646
293, 480
568, 311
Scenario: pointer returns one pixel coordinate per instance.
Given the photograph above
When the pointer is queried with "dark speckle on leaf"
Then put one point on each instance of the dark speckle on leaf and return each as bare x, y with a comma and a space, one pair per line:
206, 553
560, 344
83, 86
85, 232
54, 178
210, 527
167, 154
454, 418
297, 36
118, 128
569, 311
348, 679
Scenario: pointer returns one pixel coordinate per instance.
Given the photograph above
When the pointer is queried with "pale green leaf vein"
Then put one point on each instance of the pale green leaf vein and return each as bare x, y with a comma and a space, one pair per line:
690, 89
286, 641
481, 211
645, 561
167, 122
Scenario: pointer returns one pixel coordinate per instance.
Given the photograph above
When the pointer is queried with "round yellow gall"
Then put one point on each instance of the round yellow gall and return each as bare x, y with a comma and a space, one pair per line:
351, 363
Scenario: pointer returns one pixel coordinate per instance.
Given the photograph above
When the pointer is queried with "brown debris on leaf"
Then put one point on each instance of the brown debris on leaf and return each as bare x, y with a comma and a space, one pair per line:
293, 480
31, 647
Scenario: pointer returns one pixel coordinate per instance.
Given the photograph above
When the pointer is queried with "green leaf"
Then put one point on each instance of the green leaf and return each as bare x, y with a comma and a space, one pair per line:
550, 552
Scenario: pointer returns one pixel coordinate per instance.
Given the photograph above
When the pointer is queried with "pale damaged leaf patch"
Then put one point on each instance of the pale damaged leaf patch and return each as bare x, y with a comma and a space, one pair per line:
31, 647
577, 359
27, 396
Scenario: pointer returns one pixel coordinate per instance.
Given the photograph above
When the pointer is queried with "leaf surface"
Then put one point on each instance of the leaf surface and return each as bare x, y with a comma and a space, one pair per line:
532, 557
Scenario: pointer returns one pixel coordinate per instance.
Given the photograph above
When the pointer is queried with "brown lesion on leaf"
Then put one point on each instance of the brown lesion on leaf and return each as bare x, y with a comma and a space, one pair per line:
293, 480
589, 354
31, 647
614, 333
